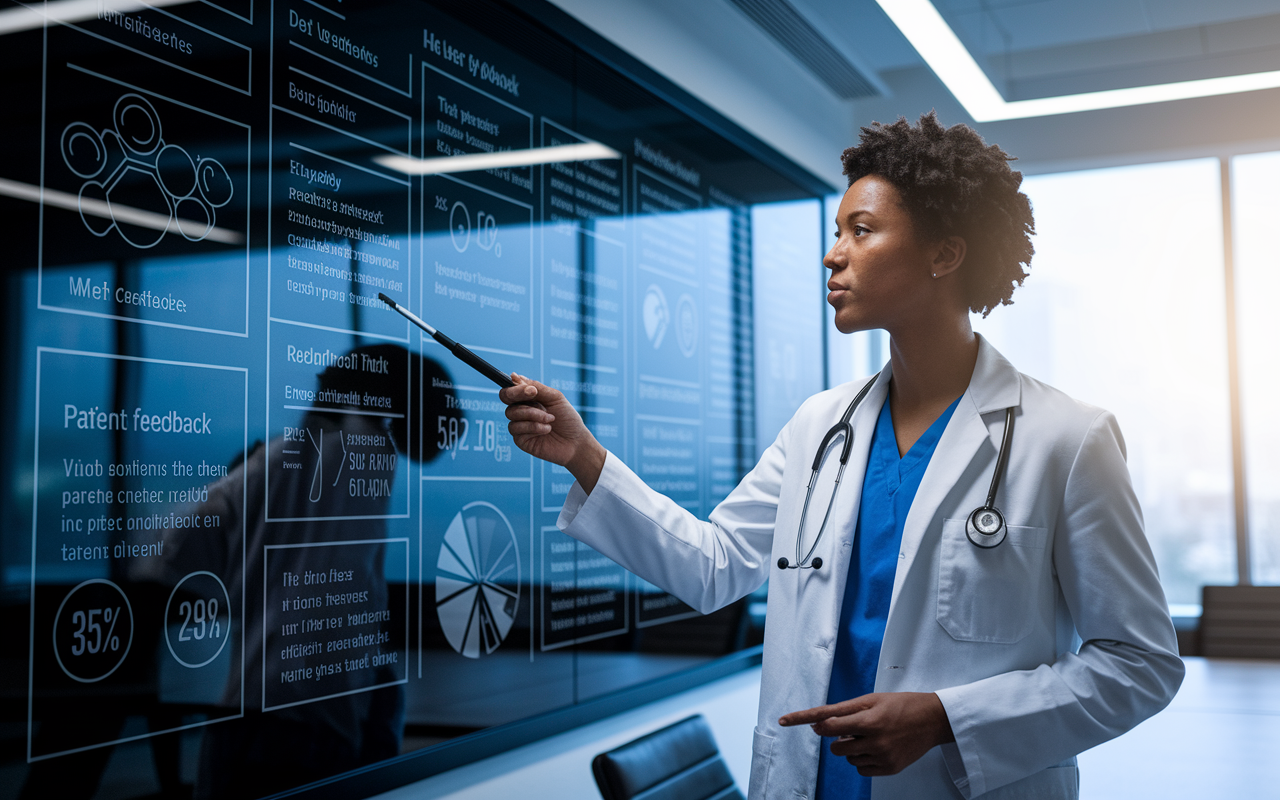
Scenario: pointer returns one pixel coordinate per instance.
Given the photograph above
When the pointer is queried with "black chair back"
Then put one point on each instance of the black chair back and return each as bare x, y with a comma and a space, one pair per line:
679, 762
1240, 622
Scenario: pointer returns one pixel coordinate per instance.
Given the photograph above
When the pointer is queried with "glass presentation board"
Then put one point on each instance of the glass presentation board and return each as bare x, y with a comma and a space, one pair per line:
259, 530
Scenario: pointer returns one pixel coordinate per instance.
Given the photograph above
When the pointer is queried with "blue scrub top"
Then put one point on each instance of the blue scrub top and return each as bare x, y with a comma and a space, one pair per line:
887, 492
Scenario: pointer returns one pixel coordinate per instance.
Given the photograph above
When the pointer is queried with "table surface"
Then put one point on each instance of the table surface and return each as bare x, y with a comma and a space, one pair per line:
1219, 738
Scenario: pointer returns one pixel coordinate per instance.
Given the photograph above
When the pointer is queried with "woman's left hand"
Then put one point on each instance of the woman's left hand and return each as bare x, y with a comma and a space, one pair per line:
882, 733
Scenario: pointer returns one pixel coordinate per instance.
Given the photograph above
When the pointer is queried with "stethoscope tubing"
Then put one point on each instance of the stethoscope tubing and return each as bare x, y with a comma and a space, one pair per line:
813, 480
985, 526
842, 427
1002, 460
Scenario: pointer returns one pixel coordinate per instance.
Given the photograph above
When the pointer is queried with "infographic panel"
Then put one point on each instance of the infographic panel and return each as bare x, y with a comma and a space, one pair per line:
138, 526
476, 563
341, 237
583, 595
461, 118
339, 415
146, 200
340, 222
329, 626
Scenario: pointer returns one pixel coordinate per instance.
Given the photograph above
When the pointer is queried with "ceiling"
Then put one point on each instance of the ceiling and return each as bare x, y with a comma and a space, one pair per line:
755, 61
1039, 48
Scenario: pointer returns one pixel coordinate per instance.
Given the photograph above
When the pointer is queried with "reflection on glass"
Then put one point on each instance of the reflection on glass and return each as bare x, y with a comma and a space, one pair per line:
1256, 208
788, 278
258, 530
1124, 309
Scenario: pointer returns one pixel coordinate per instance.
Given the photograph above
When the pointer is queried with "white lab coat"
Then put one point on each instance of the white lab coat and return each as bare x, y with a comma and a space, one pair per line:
1040, 648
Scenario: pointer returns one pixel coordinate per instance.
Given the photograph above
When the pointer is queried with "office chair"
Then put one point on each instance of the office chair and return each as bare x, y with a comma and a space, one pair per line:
1240, 622
679, 762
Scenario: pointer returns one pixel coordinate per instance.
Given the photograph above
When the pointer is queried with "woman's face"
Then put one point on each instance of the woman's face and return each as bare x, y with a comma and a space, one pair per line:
879, 269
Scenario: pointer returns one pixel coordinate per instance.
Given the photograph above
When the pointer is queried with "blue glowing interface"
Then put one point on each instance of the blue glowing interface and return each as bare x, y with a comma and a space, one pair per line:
258, 529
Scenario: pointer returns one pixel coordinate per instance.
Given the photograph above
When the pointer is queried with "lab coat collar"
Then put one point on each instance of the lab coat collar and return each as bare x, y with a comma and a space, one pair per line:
995, 386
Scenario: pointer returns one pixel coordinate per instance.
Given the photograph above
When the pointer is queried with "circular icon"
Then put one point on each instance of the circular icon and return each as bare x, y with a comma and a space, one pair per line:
177, 171
687, 326
214, 182
93, 630
138, 124
487, 233
655, 314
460, 226
135, 189
197, 619
94, 192
83, 150
193, 219
477, 579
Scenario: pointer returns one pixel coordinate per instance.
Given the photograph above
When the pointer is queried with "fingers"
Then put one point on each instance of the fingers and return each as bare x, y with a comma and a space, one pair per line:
527, 390
807, 717
530, 413
848, 725
851, 747
865, 755
528, 418
522, 392
817, 714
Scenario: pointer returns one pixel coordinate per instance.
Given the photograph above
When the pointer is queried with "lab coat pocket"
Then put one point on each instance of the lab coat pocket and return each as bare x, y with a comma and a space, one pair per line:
989, 595
761, 760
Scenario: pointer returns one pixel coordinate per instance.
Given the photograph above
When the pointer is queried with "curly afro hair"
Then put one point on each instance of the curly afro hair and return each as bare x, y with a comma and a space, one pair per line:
953, 183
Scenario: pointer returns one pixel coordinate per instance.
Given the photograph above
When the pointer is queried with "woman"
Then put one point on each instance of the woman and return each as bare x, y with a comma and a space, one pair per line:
931, 657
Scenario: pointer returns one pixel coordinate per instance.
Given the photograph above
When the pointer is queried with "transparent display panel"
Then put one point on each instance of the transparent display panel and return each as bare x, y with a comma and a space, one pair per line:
1125, 309
259, 531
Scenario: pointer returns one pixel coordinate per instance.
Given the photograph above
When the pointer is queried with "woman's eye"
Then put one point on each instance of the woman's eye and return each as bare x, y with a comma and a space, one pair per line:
859, 230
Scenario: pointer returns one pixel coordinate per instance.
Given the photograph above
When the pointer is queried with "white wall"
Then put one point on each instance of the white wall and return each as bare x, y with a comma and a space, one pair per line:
560, 767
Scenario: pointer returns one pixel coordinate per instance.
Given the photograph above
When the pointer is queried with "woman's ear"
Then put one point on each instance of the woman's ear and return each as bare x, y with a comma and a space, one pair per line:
948, 255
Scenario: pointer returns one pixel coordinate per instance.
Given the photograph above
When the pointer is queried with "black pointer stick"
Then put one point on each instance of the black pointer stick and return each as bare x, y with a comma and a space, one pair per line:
471, 359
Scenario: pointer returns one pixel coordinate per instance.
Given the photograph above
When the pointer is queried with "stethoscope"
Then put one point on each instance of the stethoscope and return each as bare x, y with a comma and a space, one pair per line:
985, 526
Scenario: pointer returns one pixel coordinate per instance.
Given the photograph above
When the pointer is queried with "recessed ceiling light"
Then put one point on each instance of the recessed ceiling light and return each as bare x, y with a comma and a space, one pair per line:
89, 206
941, 49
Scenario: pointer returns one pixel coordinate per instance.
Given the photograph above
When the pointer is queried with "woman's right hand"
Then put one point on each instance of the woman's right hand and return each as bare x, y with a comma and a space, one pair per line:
544, 424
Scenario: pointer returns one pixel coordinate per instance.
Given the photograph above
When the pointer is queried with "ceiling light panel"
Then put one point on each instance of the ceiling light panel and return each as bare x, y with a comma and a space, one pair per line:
955, 66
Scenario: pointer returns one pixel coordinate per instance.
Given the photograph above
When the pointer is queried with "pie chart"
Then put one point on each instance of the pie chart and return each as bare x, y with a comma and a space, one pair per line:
477, 580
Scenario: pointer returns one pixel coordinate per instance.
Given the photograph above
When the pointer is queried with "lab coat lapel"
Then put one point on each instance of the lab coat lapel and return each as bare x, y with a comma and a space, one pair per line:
995, 386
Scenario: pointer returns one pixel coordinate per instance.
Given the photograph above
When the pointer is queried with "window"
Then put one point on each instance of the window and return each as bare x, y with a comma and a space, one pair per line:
1125, 309
1255, 207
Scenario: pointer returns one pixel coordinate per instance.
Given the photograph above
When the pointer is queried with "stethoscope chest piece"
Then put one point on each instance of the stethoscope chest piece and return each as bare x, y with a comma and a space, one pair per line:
985, 527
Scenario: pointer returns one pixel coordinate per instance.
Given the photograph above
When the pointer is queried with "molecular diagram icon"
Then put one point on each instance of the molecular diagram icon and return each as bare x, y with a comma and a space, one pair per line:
129, 169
